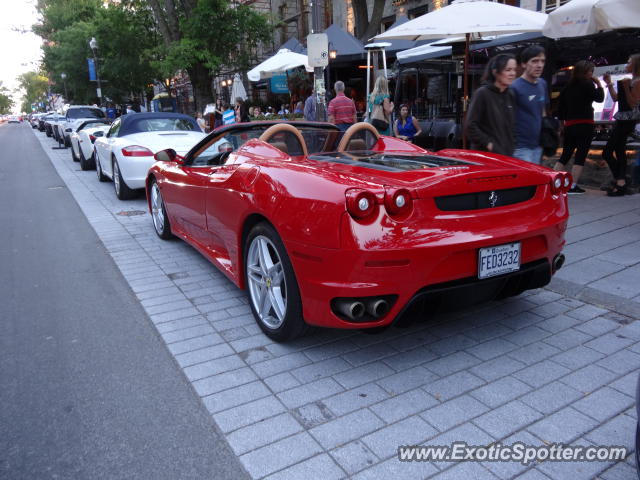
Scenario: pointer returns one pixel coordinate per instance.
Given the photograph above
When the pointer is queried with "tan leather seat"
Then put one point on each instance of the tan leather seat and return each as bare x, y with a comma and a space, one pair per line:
282, 146
357, 144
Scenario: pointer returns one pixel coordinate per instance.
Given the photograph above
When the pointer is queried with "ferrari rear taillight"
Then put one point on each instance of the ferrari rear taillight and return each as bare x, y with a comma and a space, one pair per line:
92, 138
360, 203
561, 183
136, 151
397, 201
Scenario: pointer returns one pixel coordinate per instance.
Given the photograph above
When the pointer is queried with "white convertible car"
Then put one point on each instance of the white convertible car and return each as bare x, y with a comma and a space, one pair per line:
82, 139
126, 152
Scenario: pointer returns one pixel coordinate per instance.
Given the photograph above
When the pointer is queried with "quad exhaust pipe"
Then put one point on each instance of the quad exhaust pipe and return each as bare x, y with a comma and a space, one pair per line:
355, 309
558, 261
377, 308
351, 309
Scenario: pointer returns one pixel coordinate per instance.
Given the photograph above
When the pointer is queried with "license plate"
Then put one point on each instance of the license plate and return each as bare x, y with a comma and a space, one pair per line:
497, 260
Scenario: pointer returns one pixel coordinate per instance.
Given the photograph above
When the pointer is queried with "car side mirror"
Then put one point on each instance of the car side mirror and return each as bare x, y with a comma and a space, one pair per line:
168, 155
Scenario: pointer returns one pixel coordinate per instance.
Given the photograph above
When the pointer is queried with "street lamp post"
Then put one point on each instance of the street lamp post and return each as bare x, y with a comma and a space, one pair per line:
225, 89
93, 44
63, 76
333, 54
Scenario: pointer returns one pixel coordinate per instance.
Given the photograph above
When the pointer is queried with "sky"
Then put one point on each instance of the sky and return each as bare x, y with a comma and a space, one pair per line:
19, 51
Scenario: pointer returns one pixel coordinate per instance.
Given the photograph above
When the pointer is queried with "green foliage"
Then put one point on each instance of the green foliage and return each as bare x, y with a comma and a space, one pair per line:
34, 86
125, 37
145, 40
6, 102
288, 116
216, 34
60, 14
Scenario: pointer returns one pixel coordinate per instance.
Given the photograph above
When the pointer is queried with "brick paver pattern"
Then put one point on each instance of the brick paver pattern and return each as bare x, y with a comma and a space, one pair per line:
540, 368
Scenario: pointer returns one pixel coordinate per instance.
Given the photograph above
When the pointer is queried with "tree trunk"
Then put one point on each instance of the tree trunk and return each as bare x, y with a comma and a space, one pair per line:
374, 23
361, 16
201, 80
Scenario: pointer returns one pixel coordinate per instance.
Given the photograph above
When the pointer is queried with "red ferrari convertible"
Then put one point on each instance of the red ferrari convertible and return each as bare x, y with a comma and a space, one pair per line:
350, 230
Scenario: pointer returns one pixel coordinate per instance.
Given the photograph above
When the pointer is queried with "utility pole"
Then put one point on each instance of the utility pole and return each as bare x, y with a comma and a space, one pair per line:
93, 44
318, 71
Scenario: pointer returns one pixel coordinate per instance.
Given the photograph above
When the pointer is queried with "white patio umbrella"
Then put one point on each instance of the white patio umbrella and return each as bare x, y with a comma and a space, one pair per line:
237, 89
467, 18
586, 17
281, 62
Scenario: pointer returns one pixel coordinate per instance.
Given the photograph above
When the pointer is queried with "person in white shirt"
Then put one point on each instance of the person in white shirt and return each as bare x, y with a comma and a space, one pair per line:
201, 122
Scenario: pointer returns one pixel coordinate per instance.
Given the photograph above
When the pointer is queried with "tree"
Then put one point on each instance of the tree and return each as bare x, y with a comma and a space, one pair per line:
60, 14
34, 86
6, 102
204, 36
124, 35
365, 28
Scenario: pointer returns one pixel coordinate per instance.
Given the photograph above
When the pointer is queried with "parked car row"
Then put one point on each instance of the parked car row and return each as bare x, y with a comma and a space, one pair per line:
340, 230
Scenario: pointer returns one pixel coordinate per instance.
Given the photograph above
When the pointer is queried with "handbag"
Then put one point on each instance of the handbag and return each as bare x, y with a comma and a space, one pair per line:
549, 138
628, 115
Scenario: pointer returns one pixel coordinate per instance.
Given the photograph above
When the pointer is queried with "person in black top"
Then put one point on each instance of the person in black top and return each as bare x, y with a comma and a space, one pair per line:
576, 112
628, 97
490, 119
217, 113
242, 110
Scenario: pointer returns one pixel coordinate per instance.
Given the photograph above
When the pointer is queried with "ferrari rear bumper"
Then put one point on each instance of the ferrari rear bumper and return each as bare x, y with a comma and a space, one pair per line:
443, 276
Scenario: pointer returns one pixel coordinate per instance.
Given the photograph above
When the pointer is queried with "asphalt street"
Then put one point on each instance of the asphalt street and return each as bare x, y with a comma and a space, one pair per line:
558, 364
87, 388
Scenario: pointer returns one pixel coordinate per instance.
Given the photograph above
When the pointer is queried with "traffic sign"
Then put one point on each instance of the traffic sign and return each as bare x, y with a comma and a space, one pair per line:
318, 49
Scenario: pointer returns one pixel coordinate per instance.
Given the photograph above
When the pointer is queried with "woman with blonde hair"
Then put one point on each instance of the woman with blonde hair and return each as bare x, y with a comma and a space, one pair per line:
628, 98
381, 106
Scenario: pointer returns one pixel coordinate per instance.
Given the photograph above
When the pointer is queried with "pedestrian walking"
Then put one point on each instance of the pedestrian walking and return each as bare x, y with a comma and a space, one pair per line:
615, 151
491, 115
532, 102
380, 106
406, 127
342, 110
575, 110
310, 107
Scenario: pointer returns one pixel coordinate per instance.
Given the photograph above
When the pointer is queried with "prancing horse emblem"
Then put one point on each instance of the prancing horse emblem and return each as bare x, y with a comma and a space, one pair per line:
493, 199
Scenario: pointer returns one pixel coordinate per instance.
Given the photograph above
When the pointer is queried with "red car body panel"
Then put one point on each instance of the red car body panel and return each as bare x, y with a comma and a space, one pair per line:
335, 255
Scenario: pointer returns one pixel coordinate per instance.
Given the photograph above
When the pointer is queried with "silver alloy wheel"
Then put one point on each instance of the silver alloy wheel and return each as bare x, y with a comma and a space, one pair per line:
116, 178
267, 284
156, 208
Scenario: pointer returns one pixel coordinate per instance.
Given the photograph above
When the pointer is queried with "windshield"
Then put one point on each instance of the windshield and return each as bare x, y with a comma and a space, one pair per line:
93, 124
317, 139
85, 113
162, 125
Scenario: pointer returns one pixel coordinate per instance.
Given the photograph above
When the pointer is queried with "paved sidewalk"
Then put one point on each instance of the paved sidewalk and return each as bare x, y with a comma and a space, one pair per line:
553, 365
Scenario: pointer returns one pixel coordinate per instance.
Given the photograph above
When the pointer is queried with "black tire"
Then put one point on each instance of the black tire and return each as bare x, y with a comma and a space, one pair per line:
74, 157
159, 217
67, 141
101, 176
292, 324
123, 192
86, 164
48, 132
